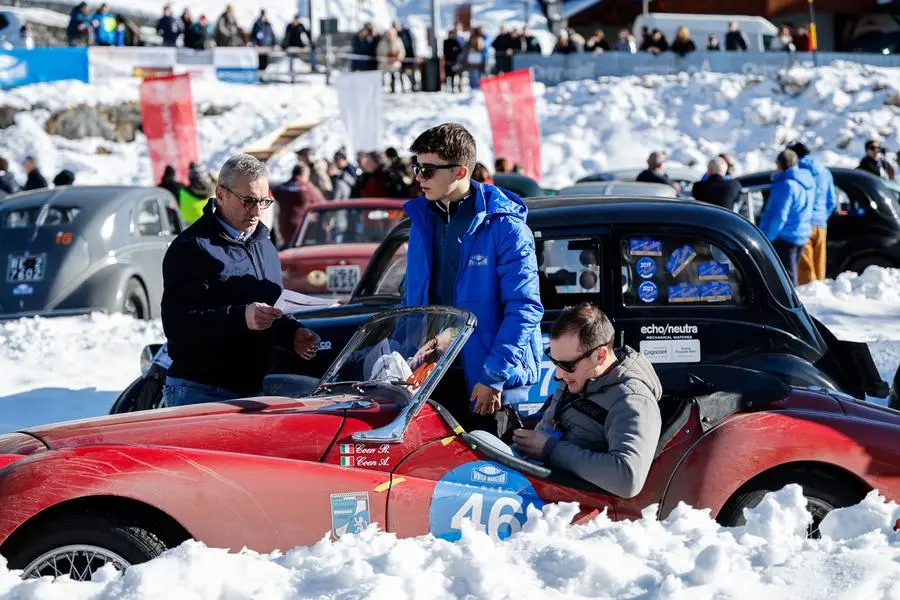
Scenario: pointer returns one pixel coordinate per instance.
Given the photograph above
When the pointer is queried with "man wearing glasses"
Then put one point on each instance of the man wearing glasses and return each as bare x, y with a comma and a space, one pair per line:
221, 277
469, 247
603, 422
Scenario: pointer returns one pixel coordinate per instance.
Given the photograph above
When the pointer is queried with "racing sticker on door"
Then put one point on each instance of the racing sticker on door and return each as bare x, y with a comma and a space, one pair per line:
494, 498
670, 343
349, 513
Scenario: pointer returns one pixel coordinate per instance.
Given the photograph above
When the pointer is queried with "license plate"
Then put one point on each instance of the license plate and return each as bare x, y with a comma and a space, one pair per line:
342, 279
26, 267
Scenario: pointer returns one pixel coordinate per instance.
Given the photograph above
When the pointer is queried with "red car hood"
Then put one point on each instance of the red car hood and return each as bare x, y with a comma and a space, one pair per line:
330, 251
277, 427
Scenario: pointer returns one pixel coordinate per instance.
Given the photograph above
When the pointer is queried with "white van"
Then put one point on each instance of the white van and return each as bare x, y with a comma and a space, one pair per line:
758, 30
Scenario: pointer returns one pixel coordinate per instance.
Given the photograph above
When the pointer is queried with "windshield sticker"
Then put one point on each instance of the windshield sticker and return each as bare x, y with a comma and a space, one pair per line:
646, 267
716, 291
712, 270
23, 289
680, 259
648, 292
684, 292
645, 247
349, 513
495, 498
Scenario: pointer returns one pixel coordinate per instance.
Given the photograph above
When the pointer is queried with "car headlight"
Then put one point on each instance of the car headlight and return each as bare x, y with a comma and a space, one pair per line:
20, 443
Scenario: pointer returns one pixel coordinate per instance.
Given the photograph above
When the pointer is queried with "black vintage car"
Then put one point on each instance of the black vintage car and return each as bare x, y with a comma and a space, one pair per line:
683, 282
864, 230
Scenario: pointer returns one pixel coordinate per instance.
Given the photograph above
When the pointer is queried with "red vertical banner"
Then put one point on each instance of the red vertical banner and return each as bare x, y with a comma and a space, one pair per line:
168, 114
511, 111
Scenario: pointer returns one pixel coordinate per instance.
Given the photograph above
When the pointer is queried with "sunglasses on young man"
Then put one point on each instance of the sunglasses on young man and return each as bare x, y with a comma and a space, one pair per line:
427, 170
569, 366
249, 202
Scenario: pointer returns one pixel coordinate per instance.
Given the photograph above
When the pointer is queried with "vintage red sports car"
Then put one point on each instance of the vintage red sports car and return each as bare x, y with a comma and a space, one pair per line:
369, 446
334, 244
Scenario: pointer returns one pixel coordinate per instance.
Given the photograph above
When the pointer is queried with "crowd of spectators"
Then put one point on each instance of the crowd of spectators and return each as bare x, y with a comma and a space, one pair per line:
34, 179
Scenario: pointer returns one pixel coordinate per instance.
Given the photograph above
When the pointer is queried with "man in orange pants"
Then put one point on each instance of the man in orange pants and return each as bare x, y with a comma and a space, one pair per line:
812, 260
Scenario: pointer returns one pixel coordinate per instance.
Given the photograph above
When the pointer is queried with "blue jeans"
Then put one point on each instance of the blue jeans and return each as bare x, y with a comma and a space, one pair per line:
183, 392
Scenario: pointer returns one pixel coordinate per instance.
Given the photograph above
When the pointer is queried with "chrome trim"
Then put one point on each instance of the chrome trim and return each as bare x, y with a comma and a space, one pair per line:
350, 405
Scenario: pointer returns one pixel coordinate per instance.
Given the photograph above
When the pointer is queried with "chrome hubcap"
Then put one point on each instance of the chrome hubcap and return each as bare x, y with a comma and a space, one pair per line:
79, 562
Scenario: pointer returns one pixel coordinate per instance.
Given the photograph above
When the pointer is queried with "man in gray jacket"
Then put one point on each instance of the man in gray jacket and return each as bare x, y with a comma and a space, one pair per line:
603, 422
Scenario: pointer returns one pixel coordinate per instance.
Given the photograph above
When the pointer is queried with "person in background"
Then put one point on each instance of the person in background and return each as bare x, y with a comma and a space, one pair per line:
453, 47
735, 40
812, 260
344, 177
390, 57
655, 172
318, 170
78, 31
373, 182
503, 50
502, 165
565, 44
221, 278
475, 57
716, 188
683, 44
409, 51
36, 179
712, 43
189, 34
294, 198
64, 177
732, 164
786, 219
294, 35
874, 161
169, 181
193, 197
482, 174
530, 43
168, 28
105, 27
784, 41
262, 35
8, 184
802, 39
597, 43
227, 32
656, 43
603, 422
626, 42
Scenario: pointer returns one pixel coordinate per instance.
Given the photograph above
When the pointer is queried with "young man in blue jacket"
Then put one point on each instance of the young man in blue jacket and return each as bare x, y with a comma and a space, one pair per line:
787, 218
812, 259
469, 247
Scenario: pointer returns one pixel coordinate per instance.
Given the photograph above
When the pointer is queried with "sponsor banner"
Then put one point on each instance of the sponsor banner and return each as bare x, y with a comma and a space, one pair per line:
236, 65
130, 61
360, 101
511, 111
169, 123
24, 67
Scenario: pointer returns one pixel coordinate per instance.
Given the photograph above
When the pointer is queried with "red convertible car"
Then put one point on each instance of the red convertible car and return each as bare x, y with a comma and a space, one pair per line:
335, 243
369, 446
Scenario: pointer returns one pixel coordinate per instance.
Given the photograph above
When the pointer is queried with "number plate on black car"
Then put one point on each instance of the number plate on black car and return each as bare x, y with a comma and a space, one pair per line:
26, 267
342, 279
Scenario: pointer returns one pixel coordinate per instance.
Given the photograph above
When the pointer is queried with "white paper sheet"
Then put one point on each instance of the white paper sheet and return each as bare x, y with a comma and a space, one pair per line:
294, 302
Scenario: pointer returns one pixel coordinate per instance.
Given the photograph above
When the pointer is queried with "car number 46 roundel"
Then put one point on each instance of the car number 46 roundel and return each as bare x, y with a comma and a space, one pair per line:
495, 499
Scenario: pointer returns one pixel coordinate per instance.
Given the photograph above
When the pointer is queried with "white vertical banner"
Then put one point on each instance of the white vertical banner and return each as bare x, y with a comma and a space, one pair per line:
360, 96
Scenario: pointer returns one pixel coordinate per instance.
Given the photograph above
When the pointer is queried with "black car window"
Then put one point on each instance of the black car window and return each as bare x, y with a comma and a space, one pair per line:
27, 217
149, 220
678, 271
851, 201
568, 271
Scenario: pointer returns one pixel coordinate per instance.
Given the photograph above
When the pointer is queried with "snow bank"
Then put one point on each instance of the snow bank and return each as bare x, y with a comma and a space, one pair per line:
688, 555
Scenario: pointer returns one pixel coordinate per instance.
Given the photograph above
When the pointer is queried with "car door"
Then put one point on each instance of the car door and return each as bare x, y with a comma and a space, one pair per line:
149, 239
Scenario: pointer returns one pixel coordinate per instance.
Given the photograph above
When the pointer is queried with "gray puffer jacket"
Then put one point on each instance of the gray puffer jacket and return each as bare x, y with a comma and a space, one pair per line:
616, 453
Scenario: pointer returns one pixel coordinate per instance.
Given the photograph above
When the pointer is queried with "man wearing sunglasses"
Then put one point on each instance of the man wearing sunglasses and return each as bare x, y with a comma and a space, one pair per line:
221, 277
603, 421
469, 247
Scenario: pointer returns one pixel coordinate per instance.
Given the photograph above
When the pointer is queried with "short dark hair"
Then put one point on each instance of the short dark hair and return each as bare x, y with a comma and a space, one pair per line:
787, 159
799, 149
872, 144
450, 141
589, 322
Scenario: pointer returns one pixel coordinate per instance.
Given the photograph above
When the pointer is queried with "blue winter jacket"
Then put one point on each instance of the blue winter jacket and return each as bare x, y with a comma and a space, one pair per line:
105, 26
262, 34
497, 282
826, 199
788, 213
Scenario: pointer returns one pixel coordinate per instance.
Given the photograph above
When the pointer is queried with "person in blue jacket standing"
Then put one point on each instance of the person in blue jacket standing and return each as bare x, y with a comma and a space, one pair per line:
812, 259
469, 247
105, 27
787, 218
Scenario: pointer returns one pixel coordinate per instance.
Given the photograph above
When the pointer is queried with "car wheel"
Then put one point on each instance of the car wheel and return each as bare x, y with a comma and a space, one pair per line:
78, 546
824, 492
859, 265
135, 301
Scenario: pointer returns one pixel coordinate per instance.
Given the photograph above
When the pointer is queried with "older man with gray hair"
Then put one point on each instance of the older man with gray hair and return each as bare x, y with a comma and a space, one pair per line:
716, 188
221, 278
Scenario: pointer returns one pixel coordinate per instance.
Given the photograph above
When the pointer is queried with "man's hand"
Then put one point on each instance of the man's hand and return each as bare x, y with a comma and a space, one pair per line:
439, 344
487, 399
306, 343
530, 443
260, 316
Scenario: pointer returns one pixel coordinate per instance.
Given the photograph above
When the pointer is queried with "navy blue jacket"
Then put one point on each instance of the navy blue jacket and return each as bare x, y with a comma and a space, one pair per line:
209, 278
262, 34
168, 28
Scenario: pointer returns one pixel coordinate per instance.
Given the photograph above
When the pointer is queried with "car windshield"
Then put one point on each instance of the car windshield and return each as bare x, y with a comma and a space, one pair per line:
408, 347
27, 217
348, 225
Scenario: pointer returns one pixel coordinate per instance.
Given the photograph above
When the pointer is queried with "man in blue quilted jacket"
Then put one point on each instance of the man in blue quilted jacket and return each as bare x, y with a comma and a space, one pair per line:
469, 247
813, 258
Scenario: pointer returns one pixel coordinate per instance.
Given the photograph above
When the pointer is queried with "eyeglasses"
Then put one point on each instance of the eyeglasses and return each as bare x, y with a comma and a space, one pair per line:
249, 202
427, 170
569, 366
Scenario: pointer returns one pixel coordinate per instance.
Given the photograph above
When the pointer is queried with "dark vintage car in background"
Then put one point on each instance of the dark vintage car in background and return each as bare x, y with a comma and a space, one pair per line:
334, 244
683, 282
864, 230
683, 176
78, 249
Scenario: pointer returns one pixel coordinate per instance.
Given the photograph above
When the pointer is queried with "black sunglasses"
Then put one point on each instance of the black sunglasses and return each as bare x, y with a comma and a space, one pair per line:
569, 366
427, 170
249, 202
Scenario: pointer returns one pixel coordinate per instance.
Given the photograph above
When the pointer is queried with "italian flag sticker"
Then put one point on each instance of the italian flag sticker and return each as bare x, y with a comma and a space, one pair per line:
347, 461
346, 448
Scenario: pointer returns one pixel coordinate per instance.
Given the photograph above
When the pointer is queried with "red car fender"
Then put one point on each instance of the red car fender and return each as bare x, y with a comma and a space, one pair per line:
749, 444
222, 499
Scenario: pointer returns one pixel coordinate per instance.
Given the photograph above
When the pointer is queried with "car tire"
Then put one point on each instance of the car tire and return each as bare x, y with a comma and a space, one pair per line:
78, 541
135, 302
824, 492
